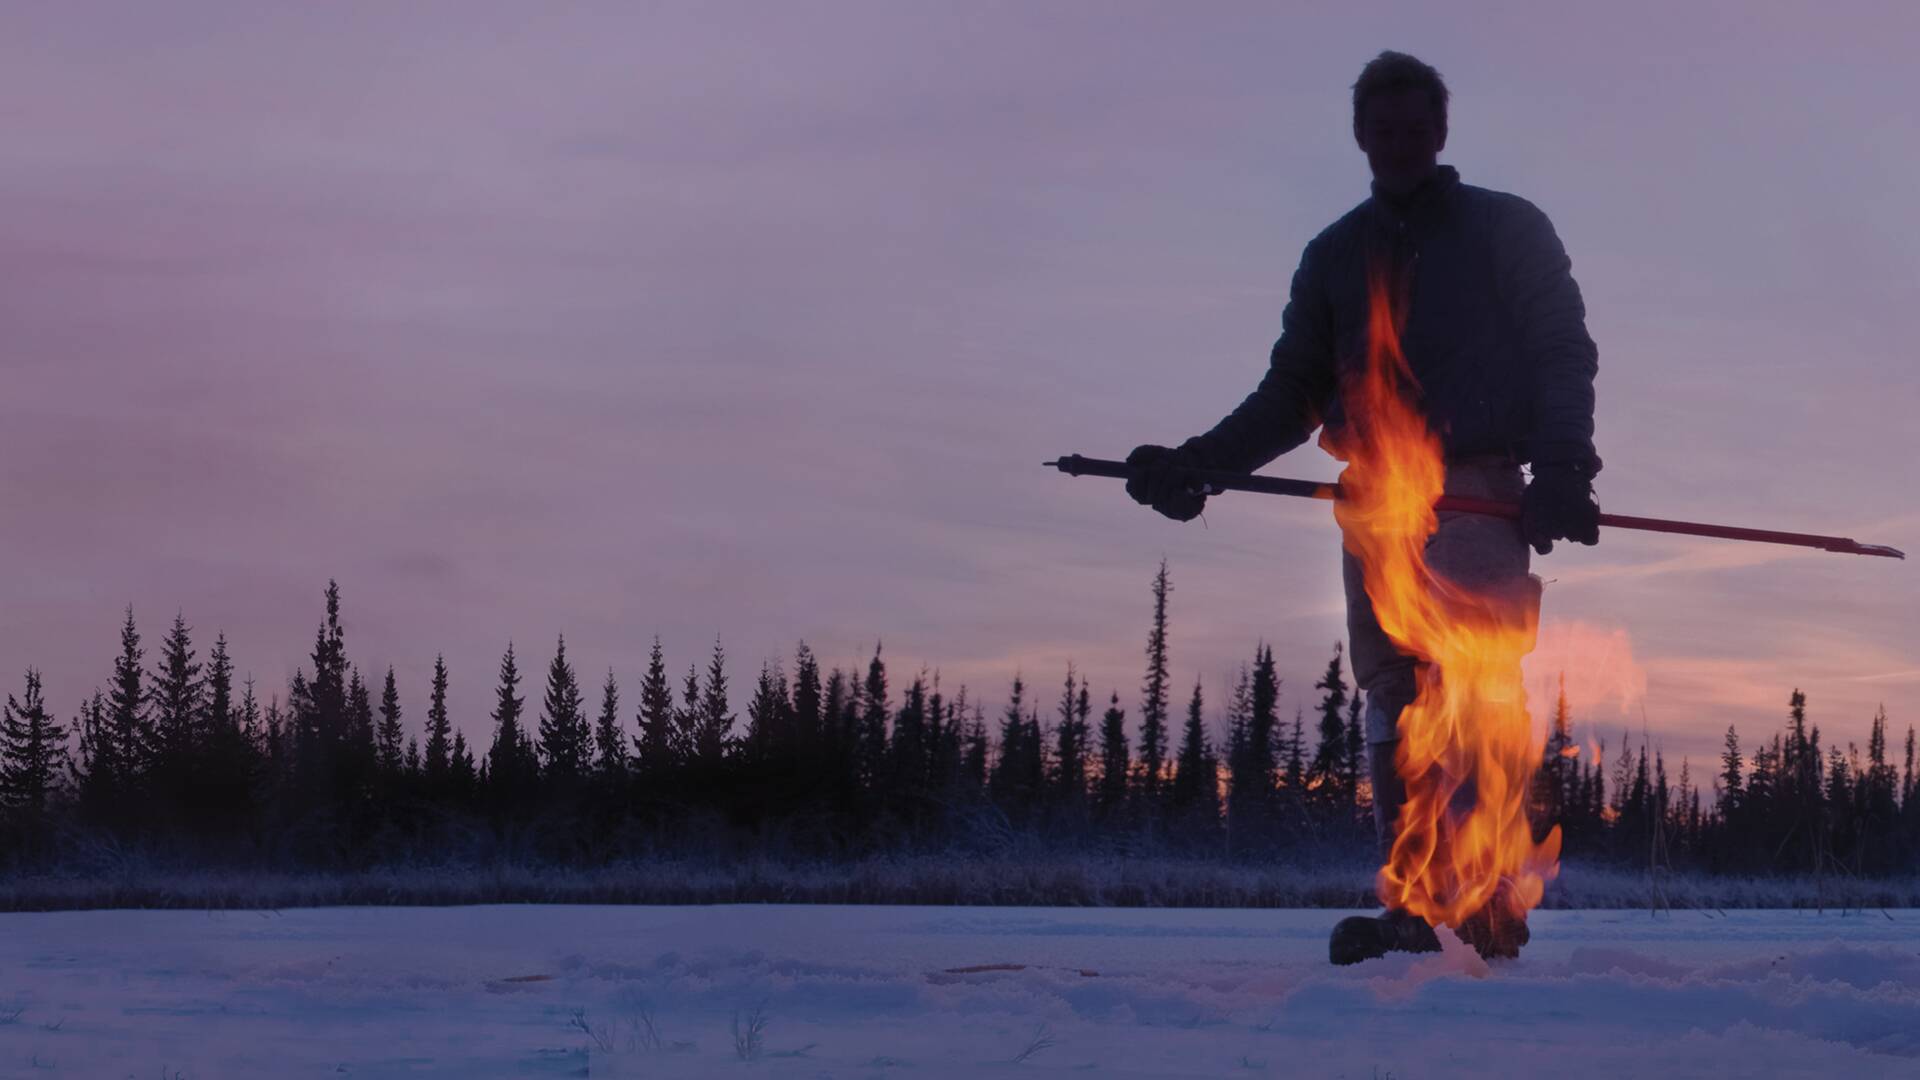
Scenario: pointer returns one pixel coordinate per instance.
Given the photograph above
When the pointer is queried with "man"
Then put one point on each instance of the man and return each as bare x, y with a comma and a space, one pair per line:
1495, 335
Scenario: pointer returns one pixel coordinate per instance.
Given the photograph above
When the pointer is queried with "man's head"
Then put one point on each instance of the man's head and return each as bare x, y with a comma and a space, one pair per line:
1400, 120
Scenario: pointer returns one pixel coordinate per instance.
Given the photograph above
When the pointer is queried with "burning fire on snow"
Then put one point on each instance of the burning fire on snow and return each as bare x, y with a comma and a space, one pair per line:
1467, 748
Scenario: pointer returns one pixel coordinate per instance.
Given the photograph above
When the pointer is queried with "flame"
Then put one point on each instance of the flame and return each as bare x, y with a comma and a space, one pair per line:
1467, 749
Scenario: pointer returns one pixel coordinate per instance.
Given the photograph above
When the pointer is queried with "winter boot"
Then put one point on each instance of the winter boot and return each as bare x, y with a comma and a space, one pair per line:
1366, 937
1498, 930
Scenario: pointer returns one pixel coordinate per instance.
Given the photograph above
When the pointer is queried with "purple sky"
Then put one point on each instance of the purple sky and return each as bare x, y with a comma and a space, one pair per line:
757, 321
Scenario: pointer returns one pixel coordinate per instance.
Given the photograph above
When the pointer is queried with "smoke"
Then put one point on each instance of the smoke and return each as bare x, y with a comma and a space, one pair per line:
1603, 680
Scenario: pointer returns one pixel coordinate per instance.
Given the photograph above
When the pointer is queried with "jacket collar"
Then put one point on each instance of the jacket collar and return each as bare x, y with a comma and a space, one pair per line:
1431, 192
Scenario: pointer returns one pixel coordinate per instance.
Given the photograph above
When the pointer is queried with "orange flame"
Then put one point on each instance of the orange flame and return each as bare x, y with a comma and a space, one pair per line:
1467, 748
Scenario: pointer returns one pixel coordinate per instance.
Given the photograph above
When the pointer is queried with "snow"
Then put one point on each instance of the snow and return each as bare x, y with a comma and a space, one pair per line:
870, 992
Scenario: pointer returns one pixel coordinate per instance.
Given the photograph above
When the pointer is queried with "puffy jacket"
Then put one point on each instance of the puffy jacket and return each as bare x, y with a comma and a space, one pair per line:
1495, 331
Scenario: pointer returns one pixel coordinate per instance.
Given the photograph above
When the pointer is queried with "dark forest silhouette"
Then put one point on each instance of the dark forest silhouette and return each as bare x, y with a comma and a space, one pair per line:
174, 758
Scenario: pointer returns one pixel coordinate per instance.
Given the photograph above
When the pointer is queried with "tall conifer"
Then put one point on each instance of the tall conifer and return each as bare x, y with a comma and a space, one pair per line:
870, 739
1070, 754
564, 737
1153, 695
609, 741
714, 736
390, 734
128, 745
439, 762
1111, 794
510, 761
656, 746
806, 698
33, 752
1192, 782
1328, 770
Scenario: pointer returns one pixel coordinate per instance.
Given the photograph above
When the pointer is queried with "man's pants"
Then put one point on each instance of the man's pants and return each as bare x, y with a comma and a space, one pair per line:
1485, 554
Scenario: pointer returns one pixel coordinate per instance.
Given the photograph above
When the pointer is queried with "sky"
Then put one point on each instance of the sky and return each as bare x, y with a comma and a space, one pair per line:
754, 322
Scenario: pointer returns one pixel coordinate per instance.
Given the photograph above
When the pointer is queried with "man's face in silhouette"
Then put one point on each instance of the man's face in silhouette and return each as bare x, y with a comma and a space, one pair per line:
1402, 134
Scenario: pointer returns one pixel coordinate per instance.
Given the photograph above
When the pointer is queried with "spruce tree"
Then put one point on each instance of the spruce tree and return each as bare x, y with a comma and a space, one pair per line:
1839, 832
807, 714
461, 766
1193, 778
1111, 795
908, 751
564, 748
1083, 725
1070, 753
609, 741
439, 761
1011, 772
949, 741
249, 722
767, 713
1907, 785
656, 746
1880, 791
1801, 765
278, 746
175, 698
391, 761
362, 746
686, 720
1154, 695
1910, 802
942, 752
1328, 770
714, 736
1552, 784
95, 772
231, 757
510, 763
1622, 775
128, 745
1250, 767
1266, 744
1296, 773
220, 723
321, 718
836, 738
974, 756
33, 752
870, 739
1731, 771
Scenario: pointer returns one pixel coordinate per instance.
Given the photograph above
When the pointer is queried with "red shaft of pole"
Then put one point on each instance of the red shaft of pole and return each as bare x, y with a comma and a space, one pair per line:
1075, 465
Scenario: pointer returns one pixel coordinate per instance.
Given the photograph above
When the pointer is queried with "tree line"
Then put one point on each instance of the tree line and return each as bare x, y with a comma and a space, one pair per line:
178, 759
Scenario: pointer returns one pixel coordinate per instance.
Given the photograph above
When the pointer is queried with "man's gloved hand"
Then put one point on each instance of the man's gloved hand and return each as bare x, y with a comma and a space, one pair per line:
1162, 479
1559, 505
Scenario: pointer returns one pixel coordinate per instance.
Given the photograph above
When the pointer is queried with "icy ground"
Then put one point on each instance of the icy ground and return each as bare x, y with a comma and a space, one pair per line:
513, 991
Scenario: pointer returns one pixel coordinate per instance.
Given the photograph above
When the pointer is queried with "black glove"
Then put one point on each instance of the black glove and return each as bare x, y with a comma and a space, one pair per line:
1162, 478
1559, 505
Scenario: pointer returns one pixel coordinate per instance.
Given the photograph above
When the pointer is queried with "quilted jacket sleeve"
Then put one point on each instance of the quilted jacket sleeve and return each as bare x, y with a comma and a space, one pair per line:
1536, 281
1290, 401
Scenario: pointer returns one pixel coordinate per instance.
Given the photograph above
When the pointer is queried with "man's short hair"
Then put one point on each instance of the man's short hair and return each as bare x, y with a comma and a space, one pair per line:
1391, 72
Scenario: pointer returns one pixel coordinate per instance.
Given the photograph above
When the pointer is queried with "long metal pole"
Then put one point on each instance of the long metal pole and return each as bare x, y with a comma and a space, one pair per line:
1075, 465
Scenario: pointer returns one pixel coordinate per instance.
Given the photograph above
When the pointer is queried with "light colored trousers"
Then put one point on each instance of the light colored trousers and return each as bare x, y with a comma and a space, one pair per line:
1475, 551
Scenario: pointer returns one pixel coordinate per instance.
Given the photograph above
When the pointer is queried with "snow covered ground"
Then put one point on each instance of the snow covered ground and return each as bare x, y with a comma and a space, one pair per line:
821, 991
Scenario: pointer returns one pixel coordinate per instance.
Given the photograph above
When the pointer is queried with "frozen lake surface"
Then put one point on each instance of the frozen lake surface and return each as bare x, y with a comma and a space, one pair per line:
513, 991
